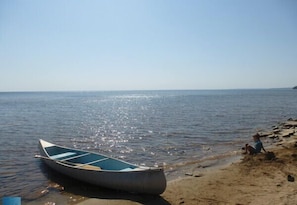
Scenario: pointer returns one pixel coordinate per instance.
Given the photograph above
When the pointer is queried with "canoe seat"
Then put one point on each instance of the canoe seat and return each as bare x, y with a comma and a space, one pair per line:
126, 169
88, 167
131, 169
66, 154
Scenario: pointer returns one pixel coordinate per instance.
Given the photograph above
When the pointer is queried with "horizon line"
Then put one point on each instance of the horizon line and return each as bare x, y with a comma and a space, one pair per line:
131, 90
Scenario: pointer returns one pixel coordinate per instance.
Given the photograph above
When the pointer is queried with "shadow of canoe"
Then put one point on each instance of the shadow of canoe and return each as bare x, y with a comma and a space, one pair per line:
82, 189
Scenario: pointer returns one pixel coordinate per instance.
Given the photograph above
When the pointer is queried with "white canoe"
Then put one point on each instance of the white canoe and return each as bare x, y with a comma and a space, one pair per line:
102, 170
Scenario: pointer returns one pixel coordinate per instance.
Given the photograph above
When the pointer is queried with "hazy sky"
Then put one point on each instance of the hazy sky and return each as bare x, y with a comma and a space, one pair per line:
49, 45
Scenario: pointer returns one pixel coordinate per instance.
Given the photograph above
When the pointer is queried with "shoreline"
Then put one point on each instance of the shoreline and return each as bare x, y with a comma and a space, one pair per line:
255, 179
251, 179
64, 191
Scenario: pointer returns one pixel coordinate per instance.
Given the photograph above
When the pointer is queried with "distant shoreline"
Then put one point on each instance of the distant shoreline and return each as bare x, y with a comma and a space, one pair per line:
161, 90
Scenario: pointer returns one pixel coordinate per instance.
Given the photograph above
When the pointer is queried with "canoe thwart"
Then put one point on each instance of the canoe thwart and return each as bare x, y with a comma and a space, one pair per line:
99, 160
75, 157
66, 154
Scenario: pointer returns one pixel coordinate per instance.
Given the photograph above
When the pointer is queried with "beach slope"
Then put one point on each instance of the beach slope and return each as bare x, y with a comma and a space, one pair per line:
255, 180
261, 179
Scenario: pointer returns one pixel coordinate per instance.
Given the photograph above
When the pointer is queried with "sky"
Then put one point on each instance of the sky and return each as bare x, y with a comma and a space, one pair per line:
63, 45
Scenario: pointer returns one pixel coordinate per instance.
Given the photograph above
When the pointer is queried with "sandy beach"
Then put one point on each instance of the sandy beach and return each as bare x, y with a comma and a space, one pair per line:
265, 178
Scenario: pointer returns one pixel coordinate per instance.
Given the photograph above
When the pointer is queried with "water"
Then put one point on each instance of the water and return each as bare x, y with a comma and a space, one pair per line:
153, 128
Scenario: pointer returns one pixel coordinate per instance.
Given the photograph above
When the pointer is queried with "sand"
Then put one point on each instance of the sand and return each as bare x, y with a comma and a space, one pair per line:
254, 180
266, 178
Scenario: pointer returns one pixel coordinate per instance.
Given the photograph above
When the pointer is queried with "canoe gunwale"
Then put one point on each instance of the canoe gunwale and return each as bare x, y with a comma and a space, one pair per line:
64, 162
151, 169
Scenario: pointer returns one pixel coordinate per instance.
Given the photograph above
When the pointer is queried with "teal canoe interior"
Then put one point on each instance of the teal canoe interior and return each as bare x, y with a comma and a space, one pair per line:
81, 157
60, 153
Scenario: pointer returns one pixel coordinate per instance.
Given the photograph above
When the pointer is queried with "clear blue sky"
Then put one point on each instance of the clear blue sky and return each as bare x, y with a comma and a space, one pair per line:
57, 45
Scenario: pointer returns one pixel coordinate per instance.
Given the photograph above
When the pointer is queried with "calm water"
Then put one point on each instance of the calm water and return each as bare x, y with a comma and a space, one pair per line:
154, 128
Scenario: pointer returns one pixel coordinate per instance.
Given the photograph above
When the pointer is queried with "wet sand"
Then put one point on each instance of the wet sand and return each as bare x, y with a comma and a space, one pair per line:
255, 180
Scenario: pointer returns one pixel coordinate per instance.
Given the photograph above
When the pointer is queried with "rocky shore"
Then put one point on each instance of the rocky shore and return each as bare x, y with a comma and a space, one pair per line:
266, 178
282, 131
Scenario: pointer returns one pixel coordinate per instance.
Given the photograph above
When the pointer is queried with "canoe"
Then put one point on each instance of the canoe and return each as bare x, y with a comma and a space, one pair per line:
102, 170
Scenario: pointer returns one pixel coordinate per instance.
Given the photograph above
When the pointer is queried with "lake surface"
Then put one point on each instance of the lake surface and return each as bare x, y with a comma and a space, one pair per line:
153, 128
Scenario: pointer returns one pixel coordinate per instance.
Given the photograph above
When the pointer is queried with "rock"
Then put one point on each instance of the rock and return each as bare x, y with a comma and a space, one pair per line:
291, 178
197, 174
287, 132
181, 201
265, 134
269, 156
291, 123
272, 136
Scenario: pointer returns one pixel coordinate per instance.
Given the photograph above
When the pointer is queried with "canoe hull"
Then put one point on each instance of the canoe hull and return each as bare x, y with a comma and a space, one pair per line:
146, 181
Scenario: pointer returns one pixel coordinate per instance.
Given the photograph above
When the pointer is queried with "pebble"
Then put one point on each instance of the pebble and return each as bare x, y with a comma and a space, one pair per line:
291, 178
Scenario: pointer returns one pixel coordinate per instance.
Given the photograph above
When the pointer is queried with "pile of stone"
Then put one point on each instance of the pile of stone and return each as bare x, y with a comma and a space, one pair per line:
284, 130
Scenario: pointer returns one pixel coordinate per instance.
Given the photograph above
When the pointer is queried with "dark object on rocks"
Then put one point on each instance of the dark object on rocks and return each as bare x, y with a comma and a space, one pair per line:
291, 178
269, 156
